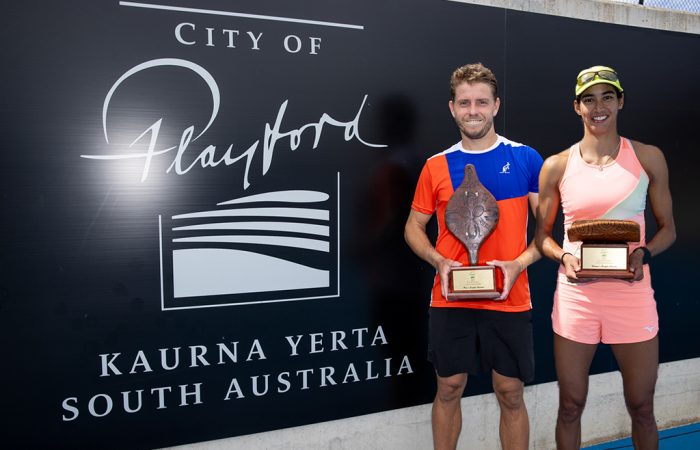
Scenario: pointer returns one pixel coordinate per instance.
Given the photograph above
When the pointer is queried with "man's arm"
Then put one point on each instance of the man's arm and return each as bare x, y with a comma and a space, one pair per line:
513, 269
532, 253
417, 239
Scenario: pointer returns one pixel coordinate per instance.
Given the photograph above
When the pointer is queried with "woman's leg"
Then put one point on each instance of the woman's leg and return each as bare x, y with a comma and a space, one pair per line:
639, 363
573, 362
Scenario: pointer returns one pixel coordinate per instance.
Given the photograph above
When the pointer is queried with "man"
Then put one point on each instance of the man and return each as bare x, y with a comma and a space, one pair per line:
467, 337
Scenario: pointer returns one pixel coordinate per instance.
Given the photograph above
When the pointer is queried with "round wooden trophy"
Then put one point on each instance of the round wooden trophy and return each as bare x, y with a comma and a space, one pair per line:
472, 215
604, 247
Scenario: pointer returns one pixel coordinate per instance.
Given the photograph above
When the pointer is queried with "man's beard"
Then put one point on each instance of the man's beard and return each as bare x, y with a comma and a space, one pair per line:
478, 134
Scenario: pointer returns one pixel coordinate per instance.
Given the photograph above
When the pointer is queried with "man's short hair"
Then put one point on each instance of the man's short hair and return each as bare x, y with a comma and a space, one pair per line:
473, 73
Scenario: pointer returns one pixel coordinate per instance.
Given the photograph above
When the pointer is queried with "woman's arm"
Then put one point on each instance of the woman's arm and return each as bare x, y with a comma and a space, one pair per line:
654, 163
549, 198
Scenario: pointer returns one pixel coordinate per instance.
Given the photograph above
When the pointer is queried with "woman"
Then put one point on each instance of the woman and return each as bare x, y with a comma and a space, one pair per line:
604, 176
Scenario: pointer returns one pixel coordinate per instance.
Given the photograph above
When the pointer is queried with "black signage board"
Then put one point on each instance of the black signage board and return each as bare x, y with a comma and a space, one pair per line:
203, 203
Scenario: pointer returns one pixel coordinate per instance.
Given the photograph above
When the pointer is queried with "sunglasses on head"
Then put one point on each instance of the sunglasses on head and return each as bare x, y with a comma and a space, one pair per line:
604, 74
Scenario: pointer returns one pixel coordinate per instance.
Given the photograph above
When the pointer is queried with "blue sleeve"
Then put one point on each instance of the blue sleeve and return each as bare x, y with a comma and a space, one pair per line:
534, 162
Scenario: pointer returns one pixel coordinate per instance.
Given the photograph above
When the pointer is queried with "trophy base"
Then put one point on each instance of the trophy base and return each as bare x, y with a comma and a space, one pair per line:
605, 273
472, 283
605, 260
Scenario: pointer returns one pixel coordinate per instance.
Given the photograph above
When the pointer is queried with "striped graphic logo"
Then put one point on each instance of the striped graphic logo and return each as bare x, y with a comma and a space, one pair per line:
268, 247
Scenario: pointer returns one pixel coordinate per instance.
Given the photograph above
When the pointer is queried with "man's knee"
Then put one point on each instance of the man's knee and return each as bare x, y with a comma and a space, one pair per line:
509, 392
451, 388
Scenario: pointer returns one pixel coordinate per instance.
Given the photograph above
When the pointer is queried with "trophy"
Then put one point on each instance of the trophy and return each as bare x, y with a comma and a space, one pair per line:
604, 247
471, 215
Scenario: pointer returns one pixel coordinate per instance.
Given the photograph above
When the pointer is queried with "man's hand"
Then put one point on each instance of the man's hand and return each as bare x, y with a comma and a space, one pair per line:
443, 269
511, 271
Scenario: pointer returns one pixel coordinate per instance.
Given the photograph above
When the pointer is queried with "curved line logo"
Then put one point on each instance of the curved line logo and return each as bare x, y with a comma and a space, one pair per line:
269, 247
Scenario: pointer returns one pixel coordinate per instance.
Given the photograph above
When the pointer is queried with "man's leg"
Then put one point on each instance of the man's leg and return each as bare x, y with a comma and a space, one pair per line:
514, 427
573, 362
447, 411
639, 364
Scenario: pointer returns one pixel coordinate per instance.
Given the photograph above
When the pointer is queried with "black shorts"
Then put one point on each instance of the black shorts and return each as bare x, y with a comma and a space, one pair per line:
463, 340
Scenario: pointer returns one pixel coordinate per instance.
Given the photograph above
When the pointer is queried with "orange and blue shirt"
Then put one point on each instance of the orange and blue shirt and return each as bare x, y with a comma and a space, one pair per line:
510, 171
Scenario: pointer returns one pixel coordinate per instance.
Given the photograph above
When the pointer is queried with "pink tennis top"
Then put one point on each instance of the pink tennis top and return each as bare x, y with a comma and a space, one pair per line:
617, 190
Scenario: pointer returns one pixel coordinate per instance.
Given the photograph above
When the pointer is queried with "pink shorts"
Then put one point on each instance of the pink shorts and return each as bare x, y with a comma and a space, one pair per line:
608, 311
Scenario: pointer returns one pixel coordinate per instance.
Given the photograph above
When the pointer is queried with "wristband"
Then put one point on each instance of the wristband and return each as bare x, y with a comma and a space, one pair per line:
561, 259
647, 254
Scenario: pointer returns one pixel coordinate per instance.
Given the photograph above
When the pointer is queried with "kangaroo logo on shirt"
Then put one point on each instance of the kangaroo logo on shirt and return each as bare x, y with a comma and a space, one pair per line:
506, 168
